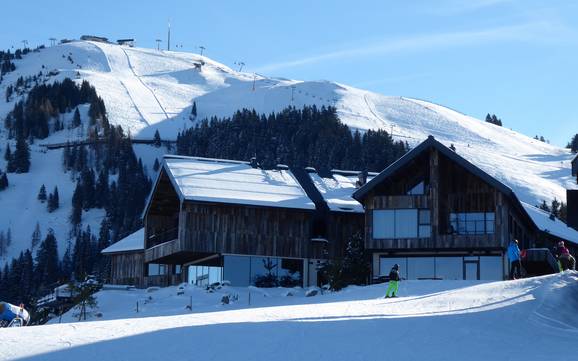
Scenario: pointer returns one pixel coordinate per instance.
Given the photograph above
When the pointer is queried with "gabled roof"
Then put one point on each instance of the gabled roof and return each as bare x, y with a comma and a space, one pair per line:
337, 189
132, 242
234, 182
537, 217
431, 142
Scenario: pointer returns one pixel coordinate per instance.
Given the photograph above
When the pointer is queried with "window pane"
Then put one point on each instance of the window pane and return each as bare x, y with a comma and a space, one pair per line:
418, 189
475, 216
491, 268
406, 223
490, 216
420, 268
425, 231
264, 271
237, 270
449, 268
424, 216
490, 227
383, 224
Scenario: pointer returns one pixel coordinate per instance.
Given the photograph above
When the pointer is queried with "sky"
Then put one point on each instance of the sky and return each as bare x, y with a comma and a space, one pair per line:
517, 59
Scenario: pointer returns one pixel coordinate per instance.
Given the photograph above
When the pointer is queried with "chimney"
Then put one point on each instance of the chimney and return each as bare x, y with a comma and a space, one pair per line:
254, 162
572, 208
361, 179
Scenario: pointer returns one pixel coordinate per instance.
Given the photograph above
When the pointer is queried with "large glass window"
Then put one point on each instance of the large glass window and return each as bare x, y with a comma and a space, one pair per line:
237, 270
424, 230
405, 223
383, 224
157, 269
401, 223
491, 268
449, 268
473, 223
420, 268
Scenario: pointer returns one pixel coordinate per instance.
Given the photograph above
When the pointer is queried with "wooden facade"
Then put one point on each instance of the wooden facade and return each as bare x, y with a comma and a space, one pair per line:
127, 268
182, 231
448, 187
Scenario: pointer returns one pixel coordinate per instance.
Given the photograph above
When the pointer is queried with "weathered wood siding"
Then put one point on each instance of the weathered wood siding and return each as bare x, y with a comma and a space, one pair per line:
449, 189
236, 229
127, 268
162, 216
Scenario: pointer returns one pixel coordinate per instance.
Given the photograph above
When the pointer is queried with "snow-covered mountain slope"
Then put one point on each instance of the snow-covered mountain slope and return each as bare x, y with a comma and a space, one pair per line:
146, 90
530, 319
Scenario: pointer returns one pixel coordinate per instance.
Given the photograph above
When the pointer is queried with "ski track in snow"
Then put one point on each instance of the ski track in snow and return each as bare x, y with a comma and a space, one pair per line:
432, 320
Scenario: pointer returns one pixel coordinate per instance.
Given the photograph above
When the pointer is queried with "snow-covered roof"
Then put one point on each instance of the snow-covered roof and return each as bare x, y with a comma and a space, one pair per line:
338, 189
132, 242
226, 181
553, 226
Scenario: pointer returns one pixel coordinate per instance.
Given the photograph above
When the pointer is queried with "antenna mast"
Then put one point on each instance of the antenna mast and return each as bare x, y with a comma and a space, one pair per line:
169, 37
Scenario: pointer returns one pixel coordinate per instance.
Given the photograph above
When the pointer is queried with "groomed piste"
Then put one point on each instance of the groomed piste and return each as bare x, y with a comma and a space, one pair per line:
529, 319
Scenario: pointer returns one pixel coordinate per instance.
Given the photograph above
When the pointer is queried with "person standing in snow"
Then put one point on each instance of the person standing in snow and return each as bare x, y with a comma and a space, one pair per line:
514, 258
393, 281
565, 259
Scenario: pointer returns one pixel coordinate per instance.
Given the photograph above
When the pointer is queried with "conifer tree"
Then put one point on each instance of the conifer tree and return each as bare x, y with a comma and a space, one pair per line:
36, 237
7, 153
53, 200
157, 139
47, 270
20, 160
77, 202
193, 115
157, 165
3, 181
42, 194
76, 121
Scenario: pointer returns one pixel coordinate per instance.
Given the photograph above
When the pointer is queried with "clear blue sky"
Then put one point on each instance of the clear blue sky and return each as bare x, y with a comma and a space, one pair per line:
515, 58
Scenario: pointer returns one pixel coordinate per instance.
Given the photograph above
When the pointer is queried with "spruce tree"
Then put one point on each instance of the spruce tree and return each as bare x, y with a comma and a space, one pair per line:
157, 139
76, 121
3, 181
157, 165
7, 153
47, 266
42, 194
20, 160
53, 201
77, 202
36, 237
193, 115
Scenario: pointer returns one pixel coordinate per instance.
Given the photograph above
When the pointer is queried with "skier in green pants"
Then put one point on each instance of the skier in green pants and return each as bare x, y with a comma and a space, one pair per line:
393, 281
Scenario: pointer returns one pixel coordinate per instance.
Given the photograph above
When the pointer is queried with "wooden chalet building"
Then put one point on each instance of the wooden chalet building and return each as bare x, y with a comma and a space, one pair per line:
209, 220
441, 217
575, 166
127, 260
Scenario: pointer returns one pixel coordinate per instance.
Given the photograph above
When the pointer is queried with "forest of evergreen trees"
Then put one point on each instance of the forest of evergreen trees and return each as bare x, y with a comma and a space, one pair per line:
296, 137
108, 175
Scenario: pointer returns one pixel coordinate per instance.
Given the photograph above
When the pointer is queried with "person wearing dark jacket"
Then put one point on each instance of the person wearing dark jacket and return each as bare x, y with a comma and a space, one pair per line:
394, 280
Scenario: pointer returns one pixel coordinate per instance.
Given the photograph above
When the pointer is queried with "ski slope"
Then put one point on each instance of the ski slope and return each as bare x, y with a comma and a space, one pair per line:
530, 319
147, 90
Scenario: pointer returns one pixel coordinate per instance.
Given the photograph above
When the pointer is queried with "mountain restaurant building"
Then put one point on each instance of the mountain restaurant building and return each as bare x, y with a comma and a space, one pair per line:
209, 220
440, 217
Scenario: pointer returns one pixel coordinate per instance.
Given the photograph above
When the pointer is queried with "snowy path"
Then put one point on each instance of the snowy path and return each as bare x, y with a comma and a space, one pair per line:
492, 321
142, 96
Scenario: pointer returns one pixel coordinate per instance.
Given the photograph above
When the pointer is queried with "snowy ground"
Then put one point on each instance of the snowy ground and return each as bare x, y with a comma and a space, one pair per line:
532, 319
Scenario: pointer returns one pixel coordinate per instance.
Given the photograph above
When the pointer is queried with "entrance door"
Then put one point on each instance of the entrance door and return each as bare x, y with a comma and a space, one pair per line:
471, 270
